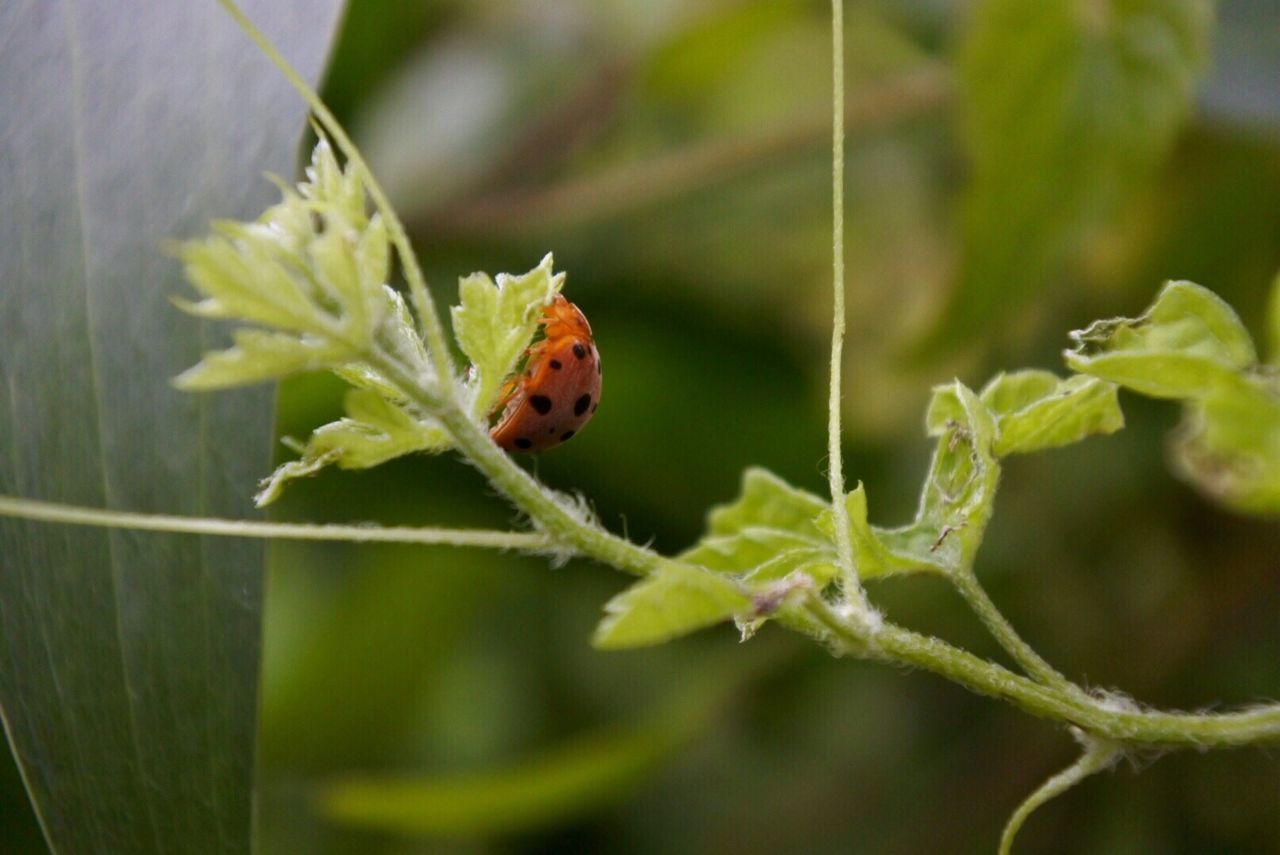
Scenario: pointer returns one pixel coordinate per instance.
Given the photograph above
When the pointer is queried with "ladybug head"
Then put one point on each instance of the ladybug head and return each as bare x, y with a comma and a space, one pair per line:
563, 318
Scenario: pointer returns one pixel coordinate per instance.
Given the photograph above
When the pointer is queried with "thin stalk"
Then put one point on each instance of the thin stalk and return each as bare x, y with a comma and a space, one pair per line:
31, 509
966, 582
1095, 716
423, 304
854, 594
1098, 754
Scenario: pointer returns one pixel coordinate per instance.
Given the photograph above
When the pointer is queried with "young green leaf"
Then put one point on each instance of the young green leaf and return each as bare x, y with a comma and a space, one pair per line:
882, 552
955, 505
674, 601
1187, 342
1036, 410
1190, 345
259, 356
313, 265
375, 431
495, 322
770, 527
1228, 444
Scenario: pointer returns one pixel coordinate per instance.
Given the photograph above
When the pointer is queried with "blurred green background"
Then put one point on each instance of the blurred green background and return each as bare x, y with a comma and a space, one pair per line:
675, 158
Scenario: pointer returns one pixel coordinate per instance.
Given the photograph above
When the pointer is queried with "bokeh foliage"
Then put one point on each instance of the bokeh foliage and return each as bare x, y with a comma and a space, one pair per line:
674, 158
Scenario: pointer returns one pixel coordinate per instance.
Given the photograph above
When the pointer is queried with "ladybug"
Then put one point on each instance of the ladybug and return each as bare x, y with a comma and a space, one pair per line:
558, 391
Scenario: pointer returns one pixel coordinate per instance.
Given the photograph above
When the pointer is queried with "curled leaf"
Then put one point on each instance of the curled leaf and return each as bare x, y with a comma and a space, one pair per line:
1187, 342
1036, 410
955, 504
1190, 345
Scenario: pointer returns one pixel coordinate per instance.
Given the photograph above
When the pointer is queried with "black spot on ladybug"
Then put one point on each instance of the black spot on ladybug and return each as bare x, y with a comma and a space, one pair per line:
555, 363
541, 403
552, 429
524, 442
580, 405
579, 351
567, 435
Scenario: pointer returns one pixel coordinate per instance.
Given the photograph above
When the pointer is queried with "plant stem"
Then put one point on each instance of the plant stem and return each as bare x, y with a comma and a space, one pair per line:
553, 516
1102, 717
1098, 754
966, 582
850, 584
31, 509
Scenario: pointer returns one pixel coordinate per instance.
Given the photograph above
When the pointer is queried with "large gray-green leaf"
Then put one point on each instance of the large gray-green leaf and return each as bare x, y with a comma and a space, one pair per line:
1069, 105
128, 662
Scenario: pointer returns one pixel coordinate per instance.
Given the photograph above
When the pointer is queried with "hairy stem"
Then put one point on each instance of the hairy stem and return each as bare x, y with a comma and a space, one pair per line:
1099, 754
966, 582
851, 585
30, 509
552, 516
1102, 717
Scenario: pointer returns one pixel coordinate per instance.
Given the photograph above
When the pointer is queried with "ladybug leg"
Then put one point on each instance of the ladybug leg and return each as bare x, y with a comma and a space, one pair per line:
505, 394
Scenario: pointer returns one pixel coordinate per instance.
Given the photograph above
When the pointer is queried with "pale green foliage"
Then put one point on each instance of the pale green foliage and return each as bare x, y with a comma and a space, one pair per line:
674, 601
1185, 344
1035, 410
495, 322
1190, 346
314, 269
375, 430
259, 356
959, 491
770, 519
955, 503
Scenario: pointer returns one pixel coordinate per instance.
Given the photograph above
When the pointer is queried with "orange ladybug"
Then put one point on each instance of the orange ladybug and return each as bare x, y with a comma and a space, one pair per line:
560, 388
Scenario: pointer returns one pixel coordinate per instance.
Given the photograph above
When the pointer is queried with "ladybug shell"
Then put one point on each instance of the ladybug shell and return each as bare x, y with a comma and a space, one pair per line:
560, 388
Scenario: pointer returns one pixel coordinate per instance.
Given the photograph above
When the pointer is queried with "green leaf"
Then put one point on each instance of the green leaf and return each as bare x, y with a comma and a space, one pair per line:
375, 431
1036, 410
766, 536
129, 662
882, 552
1069, 106
257, 357
1190, 345
1185, 344
495, 321
1228, 444
955, 505
770, 516
314, 264
674, 601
